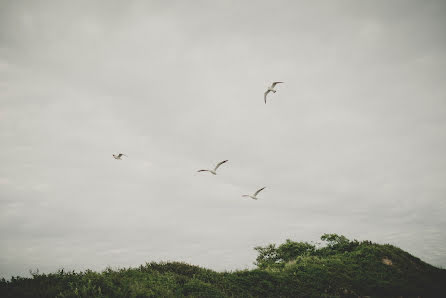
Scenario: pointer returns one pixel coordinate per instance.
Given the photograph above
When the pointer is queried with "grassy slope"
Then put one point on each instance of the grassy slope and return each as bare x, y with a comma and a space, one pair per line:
326, 272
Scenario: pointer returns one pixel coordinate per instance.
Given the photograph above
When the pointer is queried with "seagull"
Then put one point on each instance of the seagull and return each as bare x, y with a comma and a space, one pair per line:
214, 171
271, 89
255, 194
118, 156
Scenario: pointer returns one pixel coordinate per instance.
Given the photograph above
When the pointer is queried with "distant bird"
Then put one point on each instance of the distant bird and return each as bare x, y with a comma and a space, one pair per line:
271, 89
118, 156
254, 196
214, 171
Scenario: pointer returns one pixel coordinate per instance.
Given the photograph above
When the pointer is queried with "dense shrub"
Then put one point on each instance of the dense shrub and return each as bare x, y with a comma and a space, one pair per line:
340, 268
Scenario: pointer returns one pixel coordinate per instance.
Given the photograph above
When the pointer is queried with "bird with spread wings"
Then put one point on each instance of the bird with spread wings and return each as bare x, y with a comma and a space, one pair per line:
118, 156
214, 171
254, 196
271, 89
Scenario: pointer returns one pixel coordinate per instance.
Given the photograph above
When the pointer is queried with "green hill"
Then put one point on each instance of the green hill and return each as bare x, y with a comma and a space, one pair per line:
340, 268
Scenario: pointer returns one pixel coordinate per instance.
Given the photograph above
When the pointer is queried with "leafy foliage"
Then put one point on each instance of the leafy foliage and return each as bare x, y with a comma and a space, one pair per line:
340, 268
270, 256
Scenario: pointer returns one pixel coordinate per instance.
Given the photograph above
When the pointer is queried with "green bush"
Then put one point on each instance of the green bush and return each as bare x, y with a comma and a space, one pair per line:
340, 268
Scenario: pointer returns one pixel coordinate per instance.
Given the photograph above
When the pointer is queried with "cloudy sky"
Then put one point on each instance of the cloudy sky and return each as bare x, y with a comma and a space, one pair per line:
353, 143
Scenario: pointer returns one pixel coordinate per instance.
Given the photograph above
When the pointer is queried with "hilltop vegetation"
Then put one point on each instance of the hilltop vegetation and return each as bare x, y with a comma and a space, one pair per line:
340, 268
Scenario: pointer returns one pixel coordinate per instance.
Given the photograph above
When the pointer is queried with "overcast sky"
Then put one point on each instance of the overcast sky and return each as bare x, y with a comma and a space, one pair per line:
352, 143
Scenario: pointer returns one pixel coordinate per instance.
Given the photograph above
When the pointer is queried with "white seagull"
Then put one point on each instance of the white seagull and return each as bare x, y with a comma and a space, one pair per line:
118, 156
271, 89
254, 196
214, 171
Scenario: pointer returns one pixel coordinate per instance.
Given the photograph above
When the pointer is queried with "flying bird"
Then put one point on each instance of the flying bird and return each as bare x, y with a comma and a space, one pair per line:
214, 171
271, 89
254, 196
118, 156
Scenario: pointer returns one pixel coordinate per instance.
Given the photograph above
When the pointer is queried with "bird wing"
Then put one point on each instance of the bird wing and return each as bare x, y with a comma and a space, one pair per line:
266, 93
121, 154
257, 192
275, 83
219, 164
203, 171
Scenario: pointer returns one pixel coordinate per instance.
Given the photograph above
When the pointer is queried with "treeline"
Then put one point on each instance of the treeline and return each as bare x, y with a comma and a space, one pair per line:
338, 268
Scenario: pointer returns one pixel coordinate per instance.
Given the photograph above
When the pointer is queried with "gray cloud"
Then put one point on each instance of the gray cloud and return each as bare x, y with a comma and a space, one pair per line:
352, 143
